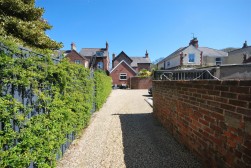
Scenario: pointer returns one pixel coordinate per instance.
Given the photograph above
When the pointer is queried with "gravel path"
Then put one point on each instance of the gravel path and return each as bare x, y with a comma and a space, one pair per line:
125, 134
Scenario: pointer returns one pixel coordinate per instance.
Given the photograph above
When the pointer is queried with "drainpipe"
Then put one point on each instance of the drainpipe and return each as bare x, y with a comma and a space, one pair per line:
130, 82
181, 59
201, 58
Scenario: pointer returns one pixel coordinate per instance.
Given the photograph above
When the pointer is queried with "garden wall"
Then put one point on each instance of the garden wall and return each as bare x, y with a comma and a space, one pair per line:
211, 118
140, 83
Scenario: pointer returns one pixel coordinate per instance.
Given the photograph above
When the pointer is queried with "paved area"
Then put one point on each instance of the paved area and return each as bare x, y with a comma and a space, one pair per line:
125, 134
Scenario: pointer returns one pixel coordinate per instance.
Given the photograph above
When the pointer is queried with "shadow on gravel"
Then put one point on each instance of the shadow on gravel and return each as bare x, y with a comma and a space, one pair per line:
147, 144
147, 95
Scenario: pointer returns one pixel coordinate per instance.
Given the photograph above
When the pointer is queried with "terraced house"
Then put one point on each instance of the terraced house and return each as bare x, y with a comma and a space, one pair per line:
241, 55
193, 56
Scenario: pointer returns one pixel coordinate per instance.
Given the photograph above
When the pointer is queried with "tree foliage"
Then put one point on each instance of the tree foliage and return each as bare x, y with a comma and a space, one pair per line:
22, 22
144, 73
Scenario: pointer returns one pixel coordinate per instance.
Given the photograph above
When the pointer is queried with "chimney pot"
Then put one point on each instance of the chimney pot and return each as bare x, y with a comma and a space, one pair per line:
106, 45
113, 56
245, 44
73, 46
194, 42
146, 54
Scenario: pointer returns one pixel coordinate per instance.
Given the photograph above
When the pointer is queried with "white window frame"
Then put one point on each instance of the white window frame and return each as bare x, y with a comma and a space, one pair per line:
190, 54
218, 62
122, 75
77, 61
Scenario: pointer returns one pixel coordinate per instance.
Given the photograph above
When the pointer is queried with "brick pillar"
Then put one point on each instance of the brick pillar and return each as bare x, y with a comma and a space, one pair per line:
181, 58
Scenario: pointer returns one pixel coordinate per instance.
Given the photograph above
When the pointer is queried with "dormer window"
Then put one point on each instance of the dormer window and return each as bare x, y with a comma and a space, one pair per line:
100, 53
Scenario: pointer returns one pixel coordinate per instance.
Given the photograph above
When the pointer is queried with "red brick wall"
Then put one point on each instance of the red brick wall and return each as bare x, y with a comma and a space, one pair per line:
144, 66
120, 58
211, 118
105, 62
141, 83
122, 68
72, 56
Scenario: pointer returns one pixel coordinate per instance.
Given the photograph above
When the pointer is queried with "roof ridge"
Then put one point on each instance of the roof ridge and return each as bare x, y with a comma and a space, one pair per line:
239, 49
93, 48
211, 48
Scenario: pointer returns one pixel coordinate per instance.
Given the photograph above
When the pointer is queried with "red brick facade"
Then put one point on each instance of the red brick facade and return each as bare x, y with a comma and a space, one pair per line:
122, 56
105, 62
73, 56
211, 118
140, 83
143, 66
122, 68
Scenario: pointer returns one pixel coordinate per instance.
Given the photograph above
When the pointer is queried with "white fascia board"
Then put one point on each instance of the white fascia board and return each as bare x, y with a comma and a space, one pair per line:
126, 64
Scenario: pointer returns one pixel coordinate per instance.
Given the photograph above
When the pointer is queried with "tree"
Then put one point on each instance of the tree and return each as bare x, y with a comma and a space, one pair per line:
144, 73
22, 22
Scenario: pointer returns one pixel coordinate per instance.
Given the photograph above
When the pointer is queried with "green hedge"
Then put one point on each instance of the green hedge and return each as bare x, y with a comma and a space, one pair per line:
103, 84
65, 95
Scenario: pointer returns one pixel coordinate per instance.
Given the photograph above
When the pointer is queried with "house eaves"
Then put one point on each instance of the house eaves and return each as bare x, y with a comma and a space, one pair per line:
122, 52
174, 54
126, 64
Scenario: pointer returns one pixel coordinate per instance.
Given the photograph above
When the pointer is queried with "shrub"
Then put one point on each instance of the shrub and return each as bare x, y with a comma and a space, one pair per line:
103, 84
60, 94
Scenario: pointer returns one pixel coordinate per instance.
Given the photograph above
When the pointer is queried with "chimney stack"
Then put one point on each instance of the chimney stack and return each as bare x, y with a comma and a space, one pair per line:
244, 57
146, 55
245, 44
113, 56
73, 46
194, 42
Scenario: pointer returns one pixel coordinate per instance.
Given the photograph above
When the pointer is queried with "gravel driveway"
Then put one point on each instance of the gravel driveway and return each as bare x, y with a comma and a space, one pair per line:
125, 134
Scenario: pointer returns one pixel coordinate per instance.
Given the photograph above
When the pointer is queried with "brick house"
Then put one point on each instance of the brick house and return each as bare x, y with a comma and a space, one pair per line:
125, 67
75, 57
72, 55
98, 58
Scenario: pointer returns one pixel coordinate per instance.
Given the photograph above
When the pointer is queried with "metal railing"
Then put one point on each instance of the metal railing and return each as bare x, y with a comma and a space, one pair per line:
195, 74
26, 96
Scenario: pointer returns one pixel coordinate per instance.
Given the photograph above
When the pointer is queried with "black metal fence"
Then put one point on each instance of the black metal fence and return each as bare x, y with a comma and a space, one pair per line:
26, 96
195, 74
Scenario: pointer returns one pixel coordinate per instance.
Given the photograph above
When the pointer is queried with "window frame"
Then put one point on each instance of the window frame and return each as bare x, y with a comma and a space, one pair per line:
124, 75
99, 53
77, 61
98, 65
191, 54
218, 62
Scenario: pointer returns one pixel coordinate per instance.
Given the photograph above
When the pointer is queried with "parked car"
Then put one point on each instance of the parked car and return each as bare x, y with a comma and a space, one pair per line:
150, 91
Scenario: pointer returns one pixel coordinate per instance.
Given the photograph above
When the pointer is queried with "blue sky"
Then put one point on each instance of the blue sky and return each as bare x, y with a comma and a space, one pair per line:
160, 26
